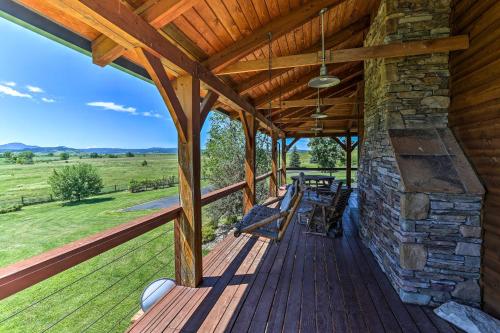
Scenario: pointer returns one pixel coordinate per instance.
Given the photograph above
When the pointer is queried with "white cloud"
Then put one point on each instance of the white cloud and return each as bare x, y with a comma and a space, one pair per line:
151, 114
10, 83
157, 115
12, 92
113, 107
48, 100
34, 89
147, 114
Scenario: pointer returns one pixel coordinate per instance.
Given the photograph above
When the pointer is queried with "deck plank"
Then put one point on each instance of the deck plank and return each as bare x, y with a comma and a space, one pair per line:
305, 283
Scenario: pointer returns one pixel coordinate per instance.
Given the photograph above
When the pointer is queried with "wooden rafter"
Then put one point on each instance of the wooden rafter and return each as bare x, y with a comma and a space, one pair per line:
278, 27
340, 143
158, 13
309, 102
332, 42
356, 54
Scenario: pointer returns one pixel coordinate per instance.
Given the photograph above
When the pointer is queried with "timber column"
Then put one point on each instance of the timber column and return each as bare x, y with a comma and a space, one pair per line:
283, 161
250, 129
273, 182
188, 256
183, 102
348, 152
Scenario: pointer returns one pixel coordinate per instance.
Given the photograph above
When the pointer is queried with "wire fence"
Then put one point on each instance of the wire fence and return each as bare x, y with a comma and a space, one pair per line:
100, 295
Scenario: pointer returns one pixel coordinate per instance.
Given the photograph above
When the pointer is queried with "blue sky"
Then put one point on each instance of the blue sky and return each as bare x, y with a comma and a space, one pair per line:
51, 95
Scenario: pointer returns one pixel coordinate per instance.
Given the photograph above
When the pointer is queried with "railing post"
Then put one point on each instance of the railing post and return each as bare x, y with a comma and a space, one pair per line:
250, 129
348, 151
273, 181
283, 161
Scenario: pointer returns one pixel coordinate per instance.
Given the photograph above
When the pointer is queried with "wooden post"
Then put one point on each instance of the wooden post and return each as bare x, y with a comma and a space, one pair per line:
348, 150
273, 182
250, 129
183, 102
187, 232
283, 161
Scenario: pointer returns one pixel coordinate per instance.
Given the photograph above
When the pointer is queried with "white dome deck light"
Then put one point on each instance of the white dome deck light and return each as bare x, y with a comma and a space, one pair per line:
318, 114
324, 80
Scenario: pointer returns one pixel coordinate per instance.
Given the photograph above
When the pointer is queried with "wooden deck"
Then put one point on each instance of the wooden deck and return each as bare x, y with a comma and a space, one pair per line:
305, 283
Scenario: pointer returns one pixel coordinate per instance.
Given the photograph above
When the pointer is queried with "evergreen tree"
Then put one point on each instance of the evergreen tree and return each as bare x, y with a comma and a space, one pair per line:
295, 159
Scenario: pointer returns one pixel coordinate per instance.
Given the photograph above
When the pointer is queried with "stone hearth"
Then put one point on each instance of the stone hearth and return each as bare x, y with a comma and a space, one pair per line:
420, 200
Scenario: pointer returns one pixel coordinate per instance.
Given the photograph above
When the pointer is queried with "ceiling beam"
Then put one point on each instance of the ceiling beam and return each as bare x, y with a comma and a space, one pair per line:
277, 27
309, 102
158, 13
207, 106
356, 54
354, 31
125, 27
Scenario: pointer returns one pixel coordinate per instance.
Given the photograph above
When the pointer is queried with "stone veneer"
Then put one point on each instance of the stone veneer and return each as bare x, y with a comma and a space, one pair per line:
422, 224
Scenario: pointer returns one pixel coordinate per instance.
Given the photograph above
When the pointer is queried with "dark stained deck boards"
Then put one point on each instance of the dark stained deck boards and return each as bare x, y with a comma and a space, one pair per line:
305, 283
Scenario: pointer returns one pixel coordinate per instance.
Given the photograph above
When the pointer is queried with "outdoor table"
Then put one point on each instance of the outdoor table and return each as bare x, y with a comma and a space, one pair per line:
322, 180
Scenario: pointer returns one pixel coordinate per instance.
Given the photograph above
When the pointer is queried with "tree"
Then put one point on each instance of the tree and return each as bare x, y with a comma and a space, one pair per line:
295, 160
50, 154
25, 157
64, 156
326, 152
7, 155
223, 163
144, 163
94, 155
129, 154
75, 182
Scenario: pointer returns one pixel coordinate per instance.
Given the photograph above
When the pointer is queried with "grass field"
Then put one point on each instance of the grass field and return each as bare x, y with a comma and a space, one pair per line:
101, 294
31, 179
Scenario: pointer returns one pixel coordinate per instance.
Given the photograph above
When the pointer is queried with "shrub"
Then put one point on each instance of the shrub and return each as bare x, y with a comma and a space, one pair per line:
129, 154
25, 157
7, 154
76, 182
111, 156
9, 209
94, 155
148, 185
144, 163
64, 156
208, 232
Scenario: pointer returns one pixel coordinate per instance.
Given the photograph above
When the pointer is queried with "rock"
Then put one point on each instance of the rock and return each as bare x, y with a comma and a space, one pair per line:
412, 256
468, 231
468, 291
414, 298
467, 318
415, 206
436, 102
468, 249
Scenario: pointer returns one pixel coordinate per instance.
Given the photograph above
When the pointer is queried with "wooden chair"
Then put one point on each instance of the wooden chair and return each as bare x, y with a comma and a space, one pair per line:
272, 223
327, 212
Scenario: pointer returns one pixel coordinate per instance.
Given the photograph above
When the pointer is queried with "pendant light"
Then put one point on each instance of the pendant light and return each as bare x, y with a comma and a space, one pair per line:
324, 80
317, 128
318, 114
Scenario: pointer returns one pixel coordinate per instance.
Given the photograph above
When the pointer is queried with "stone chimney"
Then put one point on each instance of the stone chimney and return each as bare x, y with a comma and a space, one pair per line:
420, 200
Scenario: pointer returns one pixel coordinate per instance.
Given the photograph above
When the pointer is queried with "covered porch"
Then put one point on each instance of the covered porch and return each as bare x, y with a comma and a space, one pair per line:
306, 283
417, 93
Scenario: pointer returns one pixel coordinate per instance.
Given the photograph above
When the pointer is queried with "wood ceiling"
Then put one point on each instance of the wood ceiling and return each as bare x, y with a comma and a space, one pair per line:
219, 33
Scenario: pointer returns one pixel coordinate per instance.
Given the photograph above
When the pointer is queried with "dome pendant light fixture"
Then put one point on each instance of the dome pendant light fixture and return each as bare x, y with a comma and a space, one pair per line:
318, 114
324, 80
317, 128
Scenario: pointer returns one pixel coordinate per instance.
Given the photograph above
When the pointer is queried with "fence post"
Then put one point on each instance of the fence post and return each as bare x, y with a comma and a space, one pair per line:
22, 200
115, 187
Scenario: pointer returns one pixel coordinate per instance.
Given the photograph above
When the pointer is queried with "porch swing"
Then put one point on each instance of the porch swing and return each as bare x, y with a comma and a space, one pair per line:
268, 222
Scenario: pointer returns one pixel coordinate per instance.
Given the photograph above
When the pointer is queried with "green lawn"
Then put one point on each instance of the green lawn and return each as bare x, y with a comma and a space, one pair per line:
31, 180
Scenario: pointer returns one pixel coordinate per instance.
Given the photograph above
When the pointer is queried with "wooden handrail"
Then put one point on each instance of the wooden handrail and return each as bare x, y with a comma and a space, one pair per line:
319, 169
262, 177
28, 272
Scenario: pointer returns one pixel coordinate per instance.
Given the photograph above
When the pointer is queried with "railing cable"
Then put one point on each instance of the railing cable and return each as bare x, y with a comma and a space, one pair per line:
106, 289
82, 277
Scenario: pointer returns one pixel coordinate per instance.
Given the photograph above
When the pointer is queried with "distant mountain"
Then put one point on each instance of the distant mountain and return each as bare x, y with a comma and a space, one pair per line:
17, 146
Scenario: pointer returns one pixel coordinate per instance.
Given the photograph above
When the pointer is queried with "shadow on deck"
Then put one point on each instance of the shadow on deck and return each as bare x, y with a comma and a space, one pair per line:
305, 283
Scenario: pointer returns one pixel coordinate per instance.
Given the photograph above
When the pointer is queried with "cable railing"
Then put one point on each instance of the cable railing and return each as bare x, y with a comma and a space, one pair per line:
102, 276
